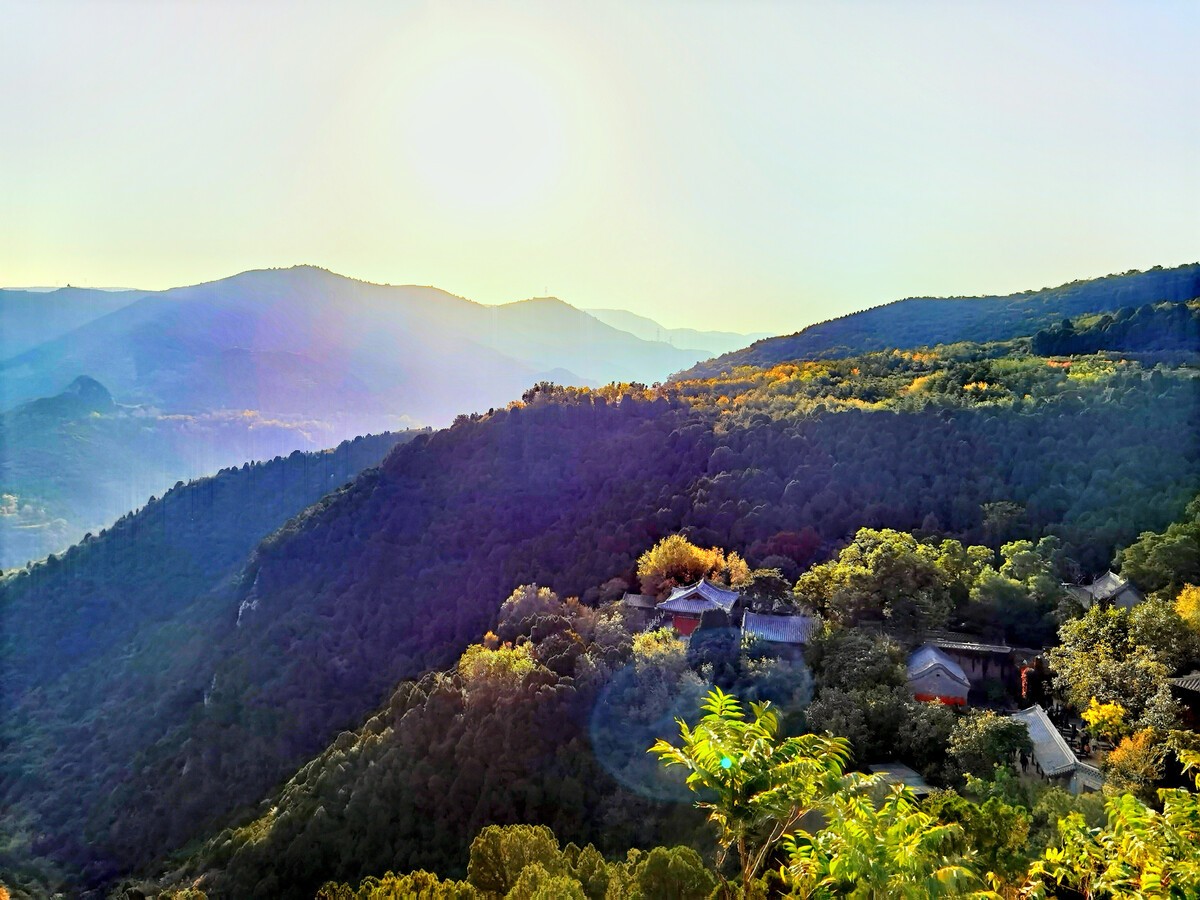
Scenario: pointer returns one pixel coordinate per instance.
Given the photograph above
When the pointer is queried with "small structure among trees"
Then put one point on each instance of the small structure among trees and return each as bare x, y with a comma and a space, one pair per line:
1109, 589
642, 609
894, 772
933, 675
1053, 757
687, 604
985, 664
1186, 689
792, 630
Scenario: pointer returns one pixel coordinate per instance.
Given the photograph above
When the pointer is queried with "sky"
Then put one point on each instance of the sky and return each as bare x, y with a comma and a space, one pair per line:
744, 166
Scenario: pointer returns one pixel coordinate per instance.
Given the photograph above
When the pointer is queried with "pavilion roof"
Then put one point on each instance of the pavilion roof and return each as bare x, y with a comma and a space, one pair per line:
699, 598
780, 629
1050, 749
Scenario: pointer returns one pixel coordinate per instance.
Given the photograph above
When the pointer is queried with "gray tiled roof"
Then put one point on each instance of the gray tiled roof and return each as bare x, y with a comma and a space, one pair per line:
780, 629
1110, 586
1187, 682
929, 658
1107, 585
1079, 592
1050, 749
699, 597
692, 605
640, 601
951, 641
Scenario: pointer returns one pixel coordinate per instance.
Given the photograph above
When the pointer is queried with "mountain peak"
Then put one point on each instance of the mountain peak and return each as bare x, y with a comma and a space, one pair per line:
82, 396
86, 394
87, 388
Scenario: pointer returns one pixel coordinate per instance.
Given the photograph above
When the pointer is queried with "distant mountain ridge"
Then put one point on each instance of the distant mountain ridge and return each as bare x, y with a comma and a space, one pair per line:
927, 321
254, 366
306, 341
75, 461
647, 329
29, 316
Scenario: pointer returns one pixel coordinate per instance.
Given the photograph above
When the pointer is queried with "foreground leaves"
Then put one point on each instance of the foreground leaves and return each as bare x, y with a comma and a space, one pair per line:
757, 787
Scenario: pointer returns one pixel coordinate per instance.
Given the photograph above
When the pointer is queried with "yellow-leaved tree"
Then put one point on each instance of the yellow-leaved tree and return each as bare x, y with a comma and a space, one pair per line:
1106, 720
1187, 604
677, 561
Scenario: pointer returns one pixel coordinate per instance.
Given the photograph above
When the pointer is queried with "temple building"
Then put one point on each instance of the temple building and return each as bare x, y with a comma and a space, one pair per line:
642, 609
1053, 757
933, 675
790, 630
984, 663
687, 604
1109, 588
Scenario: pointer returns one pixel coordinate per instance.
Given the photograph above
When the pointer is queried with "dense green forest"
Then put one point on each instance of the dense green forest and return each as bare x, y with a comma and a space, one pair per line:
163, 737
924, 322
1162, 326
117, 624
546, 722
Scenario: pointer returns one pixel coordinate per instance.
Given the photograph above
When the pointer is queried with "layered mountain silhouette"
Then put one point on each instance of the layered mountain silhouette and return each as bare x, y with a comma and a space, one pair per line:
32, 317
255, 366
304, 341
74, 462
710, 342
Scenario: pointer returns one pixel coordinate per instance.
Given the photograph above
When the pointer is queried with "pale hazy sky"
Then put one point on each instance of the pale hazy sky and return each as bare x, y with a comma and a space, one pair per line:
751, 166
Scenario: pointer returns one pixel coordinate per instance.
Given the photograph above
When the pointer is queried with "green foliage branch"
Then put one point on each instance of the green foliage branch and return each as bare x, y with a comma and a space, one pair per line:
756, 787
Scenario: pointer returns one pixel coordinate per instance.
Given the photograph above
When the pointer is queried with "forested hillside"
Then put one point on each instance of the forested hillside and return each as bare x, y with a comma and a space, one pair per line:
394, 576
547, 718
1153, 327
923, 322
115, 626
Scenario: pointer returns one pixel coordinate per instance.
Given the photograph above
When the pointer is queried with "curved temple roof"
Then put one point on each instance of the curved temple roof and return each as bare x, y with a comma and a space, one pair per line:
780, 629
1050, 750
700, 597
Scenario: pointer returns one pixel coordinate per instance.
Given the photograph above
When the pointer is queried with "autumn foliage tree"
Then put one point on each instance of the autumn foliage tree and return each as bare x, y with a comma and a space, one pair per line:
676, 561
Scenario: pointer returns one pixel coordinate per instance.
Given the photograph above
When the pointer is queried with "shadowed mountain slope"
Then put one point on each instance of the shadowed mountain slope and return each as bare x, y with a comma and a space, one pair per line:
924, 321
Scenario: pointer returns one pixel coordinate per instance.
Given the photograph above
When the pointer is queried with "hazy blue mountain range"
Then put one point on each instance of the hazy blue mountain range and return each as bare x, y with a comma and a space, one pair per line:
29, 317
75, 462
711, 342
304, 341
925, 321
251, 367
